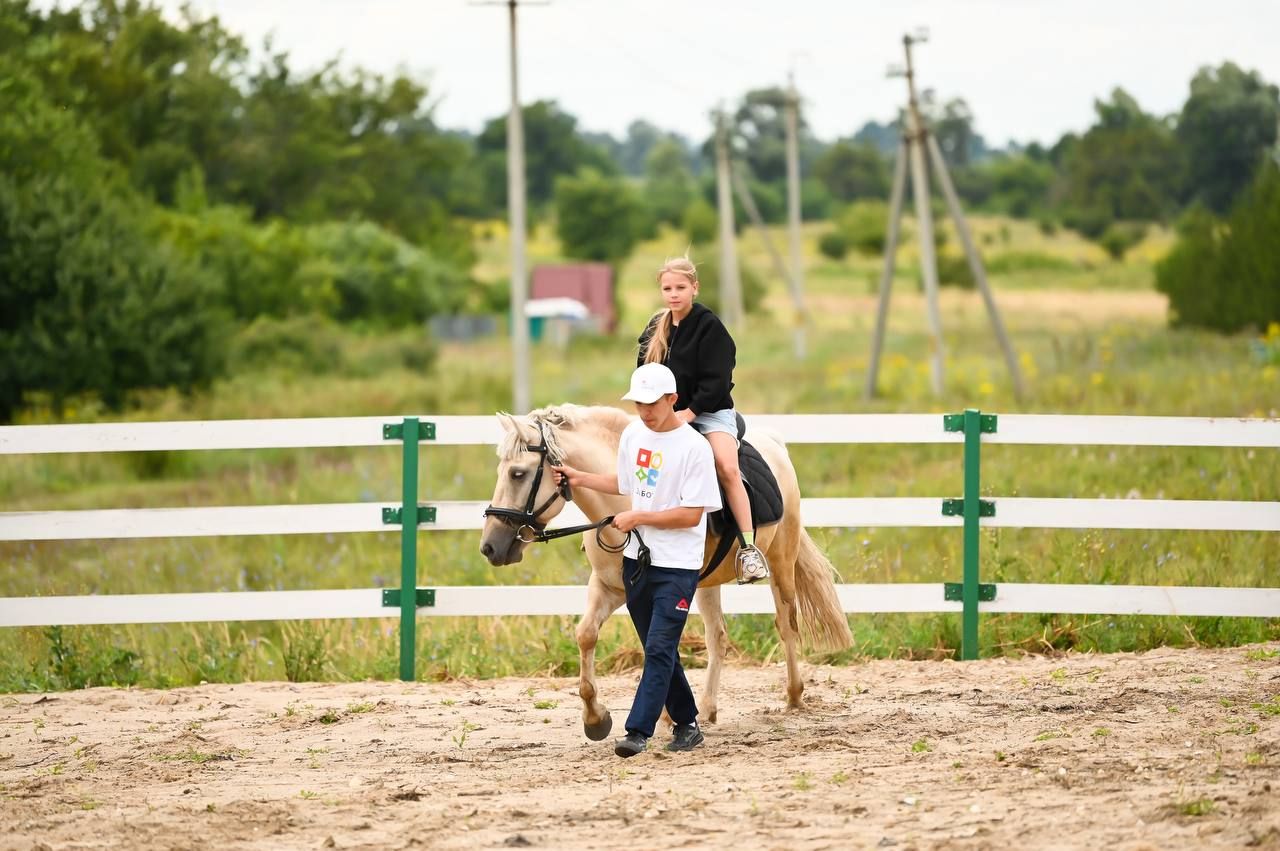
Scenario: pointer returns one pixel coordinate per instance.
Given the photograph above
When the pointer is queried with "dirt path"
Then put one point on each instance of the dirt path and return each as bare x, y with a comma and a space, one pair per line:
1165, 749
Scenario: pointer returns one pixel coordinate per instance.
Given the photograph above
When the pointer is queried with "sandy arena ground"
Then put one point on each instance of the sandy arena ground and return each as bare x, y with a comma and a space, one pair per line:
1171, 748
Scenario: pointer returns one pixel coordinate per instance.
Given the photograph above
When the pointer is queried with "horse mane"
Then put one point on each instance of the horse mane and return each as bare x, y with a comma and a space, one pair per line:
554, 418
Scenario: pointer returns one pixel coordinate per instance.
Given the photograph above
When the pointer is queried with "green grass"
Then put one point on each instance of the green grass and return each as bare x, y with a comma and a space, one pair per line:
1090, 336
1196, 807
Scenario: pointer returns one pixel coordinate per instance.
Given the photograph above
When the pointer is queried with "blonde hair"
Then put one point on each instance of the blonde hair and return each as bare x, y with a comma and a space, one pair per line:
660, 340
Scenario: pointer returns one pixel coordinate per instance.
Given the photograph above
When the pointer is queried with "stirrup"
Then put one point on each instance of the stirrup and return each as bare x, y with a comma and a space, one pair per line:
747, 578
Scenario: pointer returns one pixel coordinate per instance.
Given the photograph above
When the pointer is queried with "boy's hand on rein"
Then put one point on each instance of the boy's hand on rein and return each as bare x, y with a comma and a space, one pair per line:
566, 474
625, 522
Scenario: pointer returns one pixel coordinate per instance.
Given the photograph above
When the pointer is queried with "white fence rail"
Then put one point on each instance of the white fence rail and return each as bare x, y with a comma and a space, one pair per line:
562, 600
529, 600
1064, 430
1024, 512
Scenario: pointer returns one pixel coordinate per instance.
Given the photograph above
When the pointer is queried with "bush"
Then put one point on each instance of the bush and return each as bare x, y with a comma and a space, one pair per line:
1027, 261
256, 265
346, 270
91, 302
1048, 227
954, 271
599, 218
834, 244
1120, 237
306, 345
1226, 276
815, 200
864, 224
700, 222
362, 272
1090, 223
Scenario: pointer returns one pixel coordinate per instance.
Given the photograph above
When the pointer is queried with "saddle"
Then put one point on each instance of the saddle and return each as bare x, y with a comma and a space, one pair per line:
762, 491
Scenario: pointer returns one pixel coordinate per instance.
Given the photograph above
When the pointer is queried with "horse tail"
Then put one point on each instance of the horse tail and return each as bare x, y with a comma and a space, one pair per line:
821, 615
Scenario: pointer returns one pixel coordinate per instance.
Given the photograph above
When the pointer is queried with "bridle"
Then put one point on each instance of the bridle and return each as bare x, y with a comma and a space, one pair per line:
530, 531
526, 520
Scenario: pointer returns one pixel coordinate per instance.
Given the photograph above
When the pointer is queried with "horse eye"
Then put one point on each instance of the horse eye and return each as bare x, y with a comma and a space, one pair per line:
517, 474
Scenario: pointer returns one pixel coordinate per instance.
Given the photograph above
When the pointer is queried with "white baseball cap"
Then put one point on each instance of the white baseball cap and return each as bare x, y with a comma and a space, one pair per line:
650, 382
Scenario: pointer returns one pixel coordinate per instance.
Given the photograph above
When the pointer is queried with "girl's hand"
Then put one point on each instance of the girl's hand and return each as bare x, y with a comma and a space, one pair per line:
686, 416
625, 522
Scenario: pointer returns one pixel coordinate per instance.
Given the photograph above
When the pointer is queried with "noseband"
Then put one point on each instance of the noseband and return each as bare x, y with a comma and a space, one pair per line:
527, 519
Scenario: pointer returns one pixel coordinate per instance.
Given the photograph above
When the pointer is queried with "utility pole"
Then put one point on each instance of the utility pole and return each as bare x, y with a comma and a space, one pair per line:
730, 285
521, 359
793, 212
520, 356
890, 256
916, 140
743, 191
975, 263
924, 218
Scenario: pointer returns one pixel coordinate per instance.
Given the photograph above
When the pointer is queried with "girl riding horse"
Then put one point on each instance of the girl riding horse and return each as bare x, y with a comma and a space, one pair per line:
694, 344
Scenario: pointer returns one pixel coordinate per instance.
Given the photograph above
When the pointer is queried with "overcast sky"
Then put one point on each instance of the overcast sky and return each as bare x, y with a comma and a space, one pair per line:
1030, 69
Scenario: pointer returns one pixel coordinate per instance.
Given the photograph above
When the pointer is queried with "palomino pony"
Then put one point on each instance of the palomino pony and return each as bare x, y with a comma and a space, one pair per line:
526, 498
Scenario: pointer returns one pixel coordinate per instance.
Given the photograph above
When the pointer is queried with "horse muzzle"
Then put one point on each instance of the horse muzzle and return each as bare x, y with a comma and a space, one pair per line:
501, 544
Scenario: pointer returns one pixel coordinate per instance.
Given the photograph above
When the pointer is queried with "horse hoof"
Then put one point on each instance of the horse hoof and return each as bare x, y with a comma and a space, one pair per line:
596, 732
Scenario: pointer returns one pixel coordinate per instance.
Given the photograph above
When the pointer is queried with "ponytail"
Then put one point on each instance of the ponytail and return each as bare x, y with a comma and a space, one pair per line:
659, 342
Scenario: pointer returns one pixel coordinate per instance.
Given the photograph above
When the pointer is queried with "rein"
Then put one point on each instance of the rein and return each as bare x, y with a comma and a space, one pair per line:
531, 531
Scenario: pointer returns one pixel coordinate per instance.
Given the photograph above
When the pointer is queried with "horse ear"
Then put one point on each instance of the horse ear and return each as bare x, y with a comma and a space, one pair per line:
512, 424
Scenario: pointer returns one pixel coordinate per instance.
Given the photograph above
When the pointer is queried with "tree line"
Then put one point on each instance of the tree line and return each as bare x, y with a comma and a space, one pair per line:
161, 185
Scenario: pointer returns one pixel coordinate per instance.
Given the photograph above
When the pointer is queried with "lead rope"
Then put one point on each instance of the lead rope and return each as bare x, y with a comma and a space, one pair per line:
644, 558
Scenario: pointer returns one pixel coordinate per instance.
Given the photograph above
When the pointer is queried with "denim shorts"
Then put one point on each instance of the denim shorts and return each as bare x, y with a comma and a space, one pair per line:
724, 420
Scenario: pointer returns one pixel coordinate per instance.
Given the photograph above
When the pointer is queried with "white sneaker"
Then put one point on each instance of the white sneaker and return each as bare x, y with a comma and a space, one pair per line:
752, 565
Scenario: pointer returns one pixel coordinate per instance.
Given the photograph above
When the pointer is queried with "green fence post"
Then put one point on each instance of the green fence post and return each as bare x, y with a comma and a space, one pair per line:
409, 548
973, 423
408, 516
972, 475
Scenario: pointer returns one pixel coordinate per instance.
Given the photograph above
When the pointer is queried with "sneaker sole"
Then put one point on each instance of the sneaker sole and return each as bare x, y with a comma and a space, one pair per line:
626, 753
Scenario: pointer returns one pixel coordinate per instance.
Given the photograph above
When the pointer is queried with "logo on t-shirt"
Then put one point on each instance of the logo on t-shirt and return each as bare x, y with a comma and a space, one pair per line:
648, 464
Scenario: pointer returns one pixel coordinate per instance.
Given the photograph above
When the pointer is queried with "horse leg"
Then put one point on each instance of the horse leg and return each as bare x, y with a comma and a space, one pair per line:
601, 602
717, 645
787, 621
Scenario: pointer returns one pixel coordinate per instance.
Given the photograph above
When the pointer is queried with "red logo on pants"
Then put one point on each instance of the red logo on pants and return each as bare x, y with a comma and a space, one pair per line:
683, 605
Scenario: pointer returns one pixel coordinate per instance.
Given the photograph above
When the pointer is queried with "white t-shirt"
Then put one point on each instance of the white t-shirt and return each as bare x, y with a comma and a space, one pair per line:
668, 469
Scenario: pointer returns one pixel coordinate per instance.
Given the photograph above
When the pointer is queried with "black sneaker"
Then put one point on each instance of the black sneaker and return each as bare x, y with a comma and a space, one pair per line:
630, 745
686, 738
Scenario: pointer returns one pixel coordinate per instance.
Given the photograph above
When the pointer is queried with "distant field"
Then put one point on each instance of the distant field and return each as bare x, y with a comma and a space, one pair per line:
1090, 335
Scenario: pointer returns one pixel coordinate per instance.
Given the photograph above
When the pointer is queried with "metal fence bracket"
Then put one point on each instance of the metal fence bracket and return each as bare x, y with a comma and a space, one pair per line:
426, 514
954, 591
955, 508
423, 597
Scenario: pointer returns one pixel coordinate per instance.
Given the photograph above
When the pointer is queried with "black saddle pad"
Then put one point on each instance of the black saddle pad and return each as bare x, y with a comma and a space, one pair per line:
762, 489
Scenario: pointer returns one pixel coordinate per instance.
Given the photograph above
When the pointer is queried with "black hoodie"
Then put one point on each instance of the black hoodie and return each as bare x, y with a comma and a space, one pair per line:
701, 354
